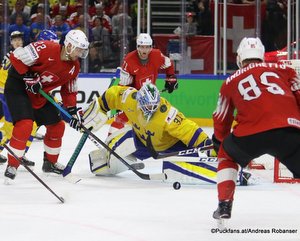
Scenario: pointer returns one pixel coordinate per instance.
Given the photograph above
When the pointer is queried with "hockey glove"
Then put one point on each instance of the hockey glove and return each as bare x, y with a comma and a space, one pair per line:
32, 83
171, 83
76, 119
208, 148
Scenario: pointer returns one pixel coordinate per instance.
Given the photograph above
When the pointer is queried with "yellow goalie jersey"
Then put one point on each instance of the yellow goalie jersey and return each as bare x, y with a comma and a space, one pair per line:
167, 125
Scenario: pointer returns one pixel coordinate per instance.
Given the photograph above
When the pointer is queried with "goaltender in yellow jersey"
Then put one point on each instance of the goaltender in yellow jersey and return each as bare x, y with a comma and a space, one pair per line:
149, 115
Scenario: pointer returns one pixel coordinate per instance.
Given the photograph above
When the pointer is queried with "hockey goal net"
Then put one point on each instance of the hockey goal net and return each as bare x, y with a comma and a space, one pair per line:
281, 173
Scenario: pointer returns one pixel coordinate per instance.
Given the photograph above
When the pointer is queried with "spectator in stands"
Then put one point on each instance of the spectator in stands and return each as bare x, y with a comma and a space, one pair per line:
122, 17
21, 27
95, 59
74, 18
22, 4
203, 17
37, 26
111, 7
80, 26
63, 5
60, 27
106, 20
63, 12
41, 10
35, 7
121, 34
18, 11
274, 30
102, 38
189, 28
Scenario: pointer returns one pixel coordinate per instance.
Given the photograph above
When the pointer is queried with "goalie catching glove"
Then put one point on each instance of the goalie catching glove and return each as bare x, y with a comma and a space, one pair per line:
76, 120
171, 83
93, 116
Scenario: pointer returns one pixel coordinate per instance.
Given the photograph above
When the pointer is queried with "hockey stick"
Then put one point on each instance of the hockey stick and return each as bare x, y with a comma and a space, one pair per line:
33, 174
98, 142
158, 155
79, 146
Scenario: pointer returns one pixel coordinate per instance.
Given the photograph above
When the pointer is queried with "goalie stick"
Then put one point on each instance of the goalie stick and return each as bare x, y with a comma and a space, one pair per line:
61, 199
159, 155
98, 142
79, 146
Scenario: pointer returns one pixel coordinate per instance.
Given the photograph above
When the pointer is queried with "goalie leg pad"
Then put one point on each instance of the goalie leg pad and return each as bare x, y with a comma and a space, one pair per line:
99, 162
124, 146
104, 163
93, 116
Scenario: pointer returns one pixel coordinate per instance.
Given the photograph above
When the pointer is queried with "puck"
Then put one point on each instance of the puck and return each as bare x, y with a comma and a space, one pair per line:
176, 185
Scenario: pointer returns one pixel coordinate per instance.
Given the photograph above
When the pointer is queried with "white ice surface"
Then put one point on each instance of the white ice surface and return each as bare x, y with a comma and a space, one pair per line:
126, 208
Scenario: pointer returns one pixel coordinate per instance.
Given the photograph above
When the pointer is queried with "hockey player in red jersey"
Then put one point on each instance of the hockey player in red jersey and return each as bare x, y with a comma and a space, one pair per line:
142, 65
43, 65
266, 98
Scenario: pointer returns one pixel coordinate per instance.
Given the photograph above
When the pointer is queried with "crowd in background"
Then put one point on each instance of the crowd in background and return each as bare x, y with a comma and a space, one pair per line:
110, 25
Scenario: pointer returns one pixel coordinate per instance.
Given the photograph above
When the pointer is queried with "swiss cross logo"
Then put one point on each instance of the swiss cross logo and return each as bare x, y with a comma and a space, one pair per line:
240, 23
47, 77
147, 79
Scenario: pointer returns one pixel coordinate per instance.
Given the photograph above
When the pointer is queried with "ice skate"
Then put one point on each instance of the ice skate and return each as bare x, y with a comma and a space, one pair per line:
223, 213
9, 174
52, 167
3, 159
27, 162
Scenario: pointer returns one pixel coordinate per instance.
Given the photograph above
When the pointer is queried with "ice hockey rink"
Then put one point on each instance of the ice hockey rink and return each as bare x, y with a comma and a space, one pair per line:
127, 208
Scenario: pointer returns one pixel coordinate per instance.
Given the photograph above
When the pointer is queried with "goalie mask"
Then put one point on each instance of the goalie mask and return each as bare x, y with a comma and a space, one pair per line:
148, 99
250, 48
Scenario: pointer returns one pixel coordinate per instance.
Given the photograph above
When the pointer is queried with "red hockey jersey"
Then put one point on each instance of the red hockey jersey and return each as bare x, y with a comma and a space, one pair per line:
53, 72
265, 96
149, 71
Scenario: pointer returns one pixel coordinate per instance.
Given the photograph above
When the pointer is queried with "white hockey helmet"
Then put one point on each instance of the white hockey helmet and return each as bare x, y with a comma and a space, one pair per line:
250, 48
144, 39
148, 99
77, 39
